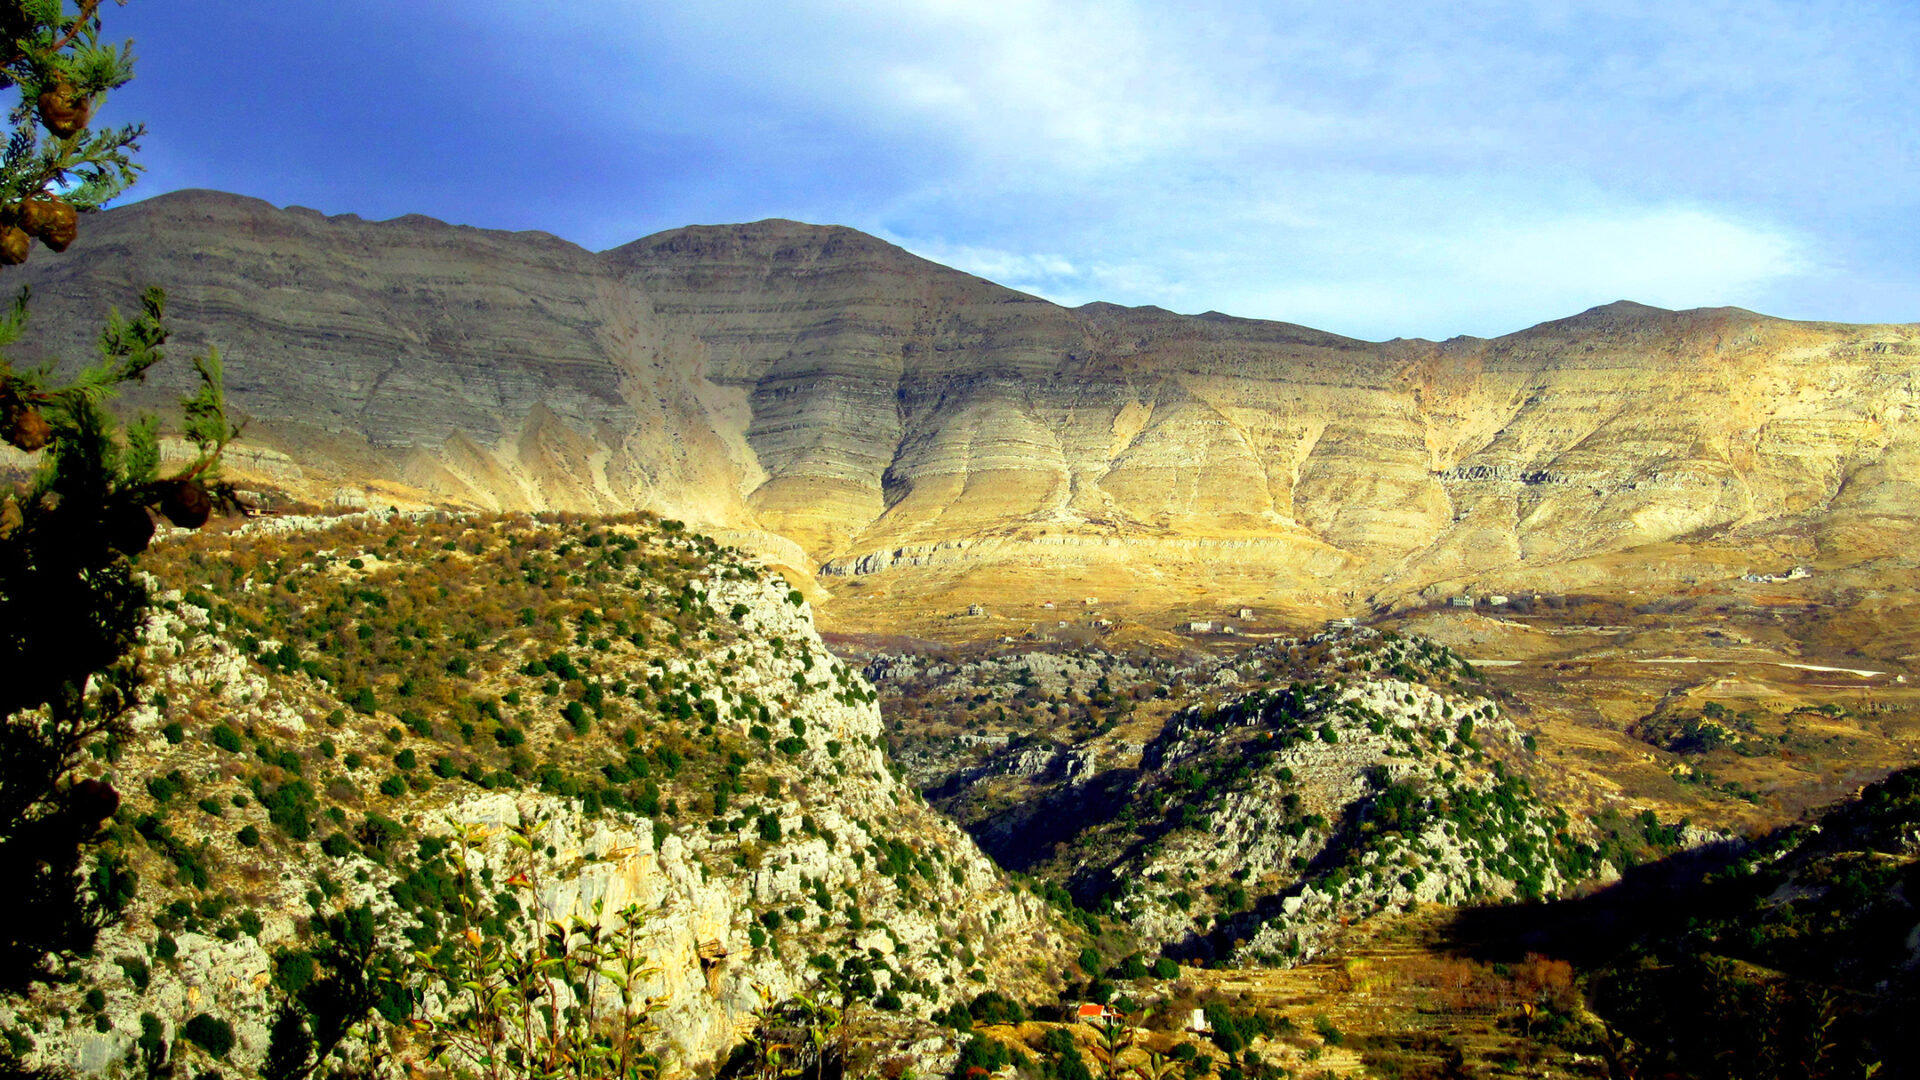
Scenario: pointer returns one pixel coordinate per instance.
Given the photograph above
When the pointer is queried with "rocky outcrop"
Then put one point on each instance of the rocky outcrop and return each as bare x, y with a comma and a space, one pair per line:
1294, 787
313, 802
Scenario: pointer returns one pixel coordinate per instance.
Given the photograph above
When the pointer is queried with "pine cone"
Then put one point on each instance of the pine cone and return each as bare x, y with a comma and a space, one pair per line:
50, 220
63, 109
185, 503
22, 426
14, 243
92, 801
129, 529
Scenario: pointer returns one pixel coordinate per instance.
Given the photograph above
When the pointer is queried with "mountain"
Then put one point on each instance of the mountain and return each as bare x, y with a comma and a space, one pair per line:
916, 438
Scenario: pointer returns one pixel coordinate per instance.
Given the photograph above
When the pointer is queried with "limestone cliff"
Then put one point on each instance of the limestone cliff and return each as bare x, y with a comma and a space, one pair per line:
330, 707
842, 404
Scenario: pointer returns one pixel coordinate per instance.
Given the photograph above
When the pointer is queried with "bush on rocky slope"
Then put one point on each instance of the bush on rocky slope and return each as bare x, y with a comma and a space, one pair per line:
333, 704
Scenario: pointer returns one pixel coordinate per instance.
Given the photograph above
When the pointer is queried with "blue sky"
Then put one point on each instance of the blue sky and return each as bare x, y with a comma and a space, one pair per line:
1374, 169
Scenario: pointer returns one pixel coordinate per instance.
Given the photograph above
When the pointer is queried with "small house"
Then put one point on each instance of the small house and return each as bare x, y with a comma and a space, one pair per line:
1245, 614
1089, 601
1497, 600
1199, 627
976, 609
1462, 600
1091, 1013
1197, 1022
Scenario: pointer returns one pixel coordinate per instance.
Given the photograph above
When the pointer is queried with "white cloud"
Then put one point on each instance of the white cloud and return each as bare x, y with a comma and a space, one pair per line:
1010, 268
1488, 278
1667, 257
1376, 167
1432, 261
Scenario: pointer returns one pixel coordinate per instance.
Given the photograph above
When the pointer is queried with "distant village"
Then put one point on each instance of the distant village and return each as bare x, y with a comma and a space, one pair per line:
1794, 574
1092, 620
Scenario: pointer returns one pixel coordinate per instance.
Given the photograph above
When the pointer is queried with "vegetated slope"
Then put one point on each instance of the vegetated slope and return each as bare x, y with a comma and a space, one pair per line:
330, 706
1295, 787
852, 408
1795, 956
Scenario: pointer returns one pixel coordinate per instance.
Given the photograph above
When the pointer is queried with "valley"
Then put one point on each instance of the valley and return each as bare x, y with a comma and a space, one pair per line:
1337, 837
917, 663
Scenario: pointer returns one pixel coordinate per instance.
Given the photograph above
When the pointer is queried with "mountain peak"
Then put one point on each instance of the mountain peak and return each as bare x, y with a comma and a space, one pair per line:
1626, 308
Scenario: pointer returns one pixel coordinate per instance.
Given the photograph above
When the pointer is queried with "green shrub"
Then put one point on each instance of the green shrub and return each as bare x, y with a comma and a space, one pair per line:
1333, 1035
993, 1007
987, 1055
248, 836
213, 1034
162, 788
293, 971
136, 971
226, 738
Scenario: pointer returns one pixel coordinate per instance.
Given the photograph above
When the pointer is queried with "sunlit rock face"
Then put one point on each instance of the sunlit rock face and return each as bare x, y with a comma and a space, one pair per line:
839, 403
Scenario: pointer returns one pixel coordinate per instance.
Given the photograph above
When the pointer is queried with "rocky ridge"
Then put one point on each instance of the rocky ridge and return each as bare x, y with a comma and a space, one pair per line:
840, 403
826, 854
1248, 806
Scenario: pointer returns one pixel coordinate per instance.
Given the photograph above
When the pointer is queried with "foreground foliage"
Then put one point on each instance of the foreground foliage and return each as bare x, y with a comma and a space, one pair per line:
70, 605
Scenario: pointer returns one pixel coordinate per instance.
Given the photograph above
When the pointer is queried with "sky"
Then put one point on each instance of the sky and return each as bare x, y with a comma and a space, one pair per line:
1376, 169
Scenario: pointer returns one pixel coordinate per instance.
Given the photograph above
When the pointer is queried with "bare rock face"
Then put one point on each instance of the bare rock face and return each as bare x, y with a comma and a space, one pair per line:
418, 360
833, 400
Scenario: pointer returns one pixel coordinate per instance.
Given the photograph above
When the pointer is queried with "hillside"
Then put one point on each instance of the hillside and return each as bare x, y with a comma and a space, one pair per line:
1353, 851
333, 705
1794, 956
922, 439
1286, 790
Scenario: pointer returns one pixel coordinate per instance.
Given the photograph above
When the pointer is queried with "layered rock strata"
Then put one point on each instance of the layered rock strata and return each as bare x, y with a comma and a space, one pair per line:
844, 404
